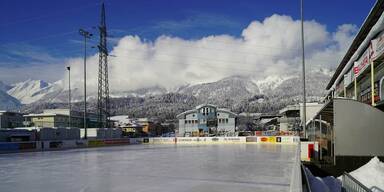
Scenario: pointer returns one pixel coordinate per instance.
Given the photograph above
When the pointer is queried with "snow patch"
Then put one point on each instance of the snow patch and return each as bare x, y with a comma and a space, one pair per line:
270, 83
371, 175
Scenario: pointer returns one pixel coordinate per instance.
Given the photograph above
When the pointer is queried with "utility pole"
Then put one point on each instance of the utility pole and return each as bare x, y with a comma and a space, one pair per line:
103, 108
86, 35
303, 62
69, 96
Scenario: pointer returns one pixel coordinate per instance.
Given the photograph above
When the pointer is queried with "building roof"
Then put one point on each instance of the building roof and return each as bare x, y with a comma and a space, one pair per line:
186, 112
43, 115
369, 22
226, 111
290, 108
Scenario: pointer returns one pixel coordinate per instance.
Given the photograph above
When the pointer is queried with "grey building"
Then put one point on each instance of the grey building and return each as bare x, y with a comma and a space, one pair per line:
290, 118
293, 115
10, 119
206, 119
350, 125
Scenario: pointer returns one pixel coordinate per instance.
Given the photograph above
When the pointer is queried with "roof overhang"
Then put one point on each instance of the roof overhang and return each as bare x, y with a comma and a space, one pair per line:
369, 22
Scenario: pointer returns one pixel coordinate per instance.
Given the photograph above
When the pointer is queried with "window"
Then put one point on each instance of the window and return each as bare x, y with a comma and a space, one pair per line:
226, 120
186, 122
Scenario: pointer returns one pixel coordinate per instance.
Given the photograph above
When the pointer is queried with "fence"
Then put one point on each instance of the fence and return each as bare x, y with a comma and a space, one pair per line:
350, 184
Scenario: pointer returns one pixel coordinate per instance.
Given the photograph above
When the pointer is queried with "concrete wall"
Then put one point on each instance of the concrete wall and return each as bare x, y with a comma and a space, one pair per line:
49, 134
359, 129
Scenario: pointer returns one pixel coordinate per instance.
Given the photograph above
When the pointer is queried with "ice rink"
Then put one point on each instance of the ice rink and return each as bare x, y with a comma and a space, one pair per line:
150, 168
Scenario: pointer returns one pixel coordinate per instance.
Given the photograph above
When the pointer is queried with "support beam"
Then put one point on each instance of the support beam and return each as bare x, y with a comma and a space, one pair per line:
321, 136
372, 84
355, 87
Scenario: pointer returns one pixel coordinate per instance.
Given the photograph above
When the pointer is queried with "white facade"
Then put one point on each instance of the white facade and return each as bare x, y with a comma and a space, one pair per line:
207, 119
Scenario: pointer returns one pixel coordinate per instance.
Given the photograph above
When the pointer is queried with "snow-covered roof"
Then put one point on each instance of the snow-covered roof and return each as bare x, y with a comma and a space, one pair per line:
265, 121
226, 111
121, 118
43, 115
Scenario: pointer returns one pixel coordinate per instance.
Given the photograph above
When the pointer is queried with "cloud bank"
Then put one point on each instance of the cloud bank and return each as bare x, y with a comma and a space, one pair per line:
265, 48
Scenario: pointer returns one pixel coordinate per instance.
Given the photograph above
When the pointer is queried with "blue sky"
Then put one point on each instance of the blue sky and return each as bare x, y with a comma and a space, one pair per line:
46, 31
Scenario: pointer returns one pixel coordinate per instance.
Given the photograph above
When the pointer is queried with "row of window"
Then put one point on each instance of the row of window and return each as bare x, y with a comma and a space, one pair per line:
206, 110
191, 121
223, 120
204, 121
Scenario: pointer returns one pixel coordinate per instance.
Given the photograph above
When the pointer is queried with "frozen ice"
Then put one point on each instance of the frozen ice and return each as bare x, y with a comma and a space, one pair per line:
151, 168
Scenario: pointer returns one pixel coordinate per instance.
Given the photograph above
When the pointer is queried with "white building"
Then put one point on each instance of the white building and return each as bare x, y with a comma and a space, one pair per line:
206, 119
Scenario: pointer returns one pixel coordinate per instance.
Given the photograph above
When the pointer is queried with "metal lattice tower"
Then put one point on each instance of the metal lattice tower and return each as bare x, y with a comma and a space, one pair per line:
103, 85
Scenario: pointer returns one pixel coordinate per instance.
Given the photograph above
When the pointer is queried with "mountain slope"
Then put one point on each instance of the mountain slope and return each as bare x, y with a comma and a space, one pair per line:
30, 91
4, 87
237, 93
8, 102
230, 90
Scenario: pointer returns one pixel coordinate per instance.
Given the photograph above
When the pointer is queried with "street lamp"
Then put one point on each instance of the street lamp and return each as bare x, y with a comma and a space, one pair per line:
69, 96
86, 35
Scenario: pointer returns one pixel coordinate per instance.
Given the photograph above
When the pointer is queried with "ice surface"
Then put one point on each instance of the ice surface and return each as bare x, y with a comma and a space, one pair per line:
149, 168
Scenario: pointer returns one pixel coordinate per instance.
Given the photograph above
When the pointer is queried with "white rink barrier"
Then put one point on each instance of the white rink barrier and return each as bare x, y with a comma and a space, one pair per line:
162, 140
220, 140
209, 140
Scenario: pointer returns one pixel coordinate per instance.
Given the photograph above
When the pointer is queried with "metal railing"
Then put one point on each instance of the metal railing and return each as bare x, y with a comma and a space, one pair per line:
304, 180
350, 184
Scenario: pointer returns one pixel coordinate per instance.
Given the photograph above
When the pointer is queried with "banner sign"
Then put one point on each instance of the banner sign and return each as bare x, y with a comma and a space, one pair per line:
362, 63
378, 46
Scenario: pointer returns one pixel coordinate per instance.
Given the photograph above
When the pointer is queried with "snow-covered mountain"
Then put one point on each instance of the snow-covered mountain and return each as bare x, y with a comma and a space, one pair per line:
31, 91
231, 90
271, 83
239, 93
142, 92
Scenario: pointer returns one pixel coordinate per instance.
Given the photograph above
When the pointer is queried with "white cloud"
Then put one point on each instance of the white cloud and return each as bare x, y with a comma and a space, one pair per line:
265, 48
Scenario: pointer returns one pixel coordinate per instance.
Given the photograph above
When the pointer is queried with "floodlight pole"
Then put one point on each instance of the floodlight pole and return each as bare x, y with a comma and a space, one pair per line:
86, 35
304, 120
69, 96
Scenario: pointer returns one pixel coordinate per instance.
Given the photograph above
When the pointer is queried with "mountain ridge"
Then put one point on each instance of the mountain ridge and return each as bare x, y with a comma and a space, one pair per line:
238, 93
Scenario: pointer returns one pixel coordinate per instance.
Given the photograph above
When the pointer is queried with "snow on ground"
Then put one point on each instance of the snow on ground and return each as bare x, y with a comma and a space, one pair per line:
149, 168
371, 174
